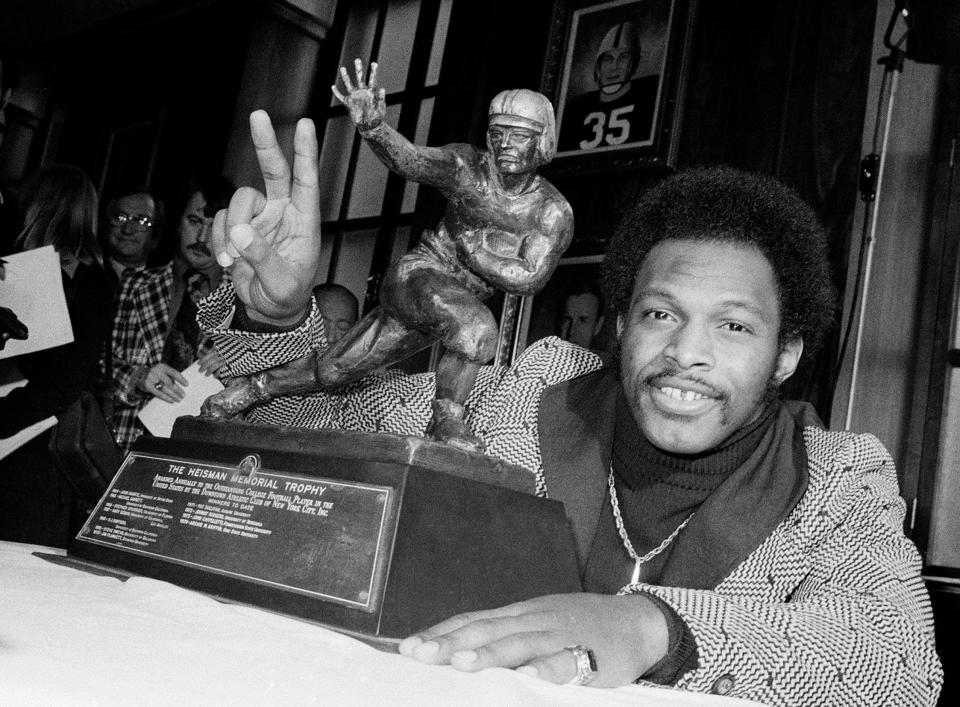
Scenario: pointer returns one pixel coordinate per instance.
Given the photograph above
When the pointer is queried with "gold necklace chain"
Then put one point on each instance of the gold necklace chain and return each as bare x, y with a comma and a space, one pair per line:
618, 519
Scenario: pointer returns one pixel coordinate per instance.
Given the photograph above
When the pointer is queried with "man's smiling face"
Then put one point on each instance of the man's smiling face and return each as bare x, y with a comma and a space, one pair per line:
700, 346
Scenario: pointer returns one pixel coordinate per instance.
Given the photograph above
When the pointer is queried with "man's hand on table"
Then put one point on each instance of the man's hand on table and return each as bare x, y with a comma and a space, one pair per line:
627, 634
271, 242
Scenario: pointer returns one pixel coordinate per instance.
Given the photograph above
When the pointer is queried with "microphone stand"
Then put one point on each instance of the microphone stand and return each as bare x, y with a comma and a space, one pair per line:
871, 183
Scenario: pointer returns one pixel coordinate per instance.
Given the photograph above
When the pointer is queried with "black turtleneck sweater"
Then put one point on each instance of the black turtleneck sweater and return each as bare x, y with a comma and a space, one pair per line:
657, 490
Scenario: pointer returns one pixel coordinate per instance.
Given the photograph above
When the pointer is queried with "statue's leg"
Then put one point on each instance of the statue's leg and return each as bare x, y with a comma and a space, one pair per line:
297, 376
455, 379
439, 303
376, 340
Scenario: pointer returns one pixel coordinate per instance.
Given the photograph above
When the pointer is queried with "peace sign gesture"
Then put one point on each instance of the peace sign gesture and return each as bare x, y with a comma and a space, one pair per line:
366, 103
271, 242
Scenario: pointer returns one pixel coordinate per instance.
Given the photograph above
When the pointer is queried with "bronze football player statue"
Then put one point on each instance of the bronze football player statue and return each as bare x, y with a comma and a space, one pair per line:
504, 228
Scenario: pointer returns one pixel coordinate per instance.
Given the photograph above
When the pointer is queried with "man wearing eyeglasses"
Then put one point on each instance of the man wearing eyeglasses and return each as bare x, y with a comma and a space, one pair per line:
133, 221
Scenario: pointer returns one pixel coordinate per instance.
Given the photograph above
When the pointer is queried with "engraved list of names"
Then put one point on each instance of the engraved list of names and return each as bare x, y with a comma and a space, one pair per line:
317, 536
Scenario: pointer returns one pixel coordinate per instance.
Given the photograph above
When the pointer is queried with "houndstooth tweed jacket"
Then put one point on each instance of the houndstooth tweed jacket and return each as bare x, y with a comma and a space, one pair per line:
828, 609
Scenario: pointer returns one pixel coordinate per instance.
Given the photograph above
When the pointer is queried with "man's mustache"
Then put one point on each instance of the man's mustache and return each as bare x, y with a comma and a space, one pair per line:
200, 248
658, 379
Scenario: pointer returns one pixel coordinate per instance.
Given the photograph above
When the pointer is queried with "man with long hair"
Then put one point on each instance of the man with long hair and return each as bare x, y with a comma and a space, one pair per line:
60, 210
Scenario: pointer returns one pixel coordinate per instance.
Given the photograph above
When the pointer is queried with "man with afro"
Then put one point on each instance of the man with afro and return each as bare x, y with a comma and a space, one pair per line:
728, 543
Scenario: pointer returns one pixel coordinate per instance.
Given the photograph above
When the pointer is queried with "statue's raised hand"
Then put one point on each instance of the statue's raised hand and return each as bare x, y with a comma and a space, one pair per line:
271, 241
366, 103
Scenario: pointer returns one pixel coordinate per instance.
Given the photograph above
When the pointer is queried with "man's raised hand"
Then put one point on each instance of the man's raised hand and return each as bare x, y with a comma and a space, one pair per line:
366, 103
271, 241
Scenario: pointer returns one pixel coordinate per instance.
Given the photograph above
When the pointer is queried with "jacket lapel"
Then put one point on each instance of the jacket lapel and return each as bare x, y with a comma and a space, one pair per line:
744, 511
575, 424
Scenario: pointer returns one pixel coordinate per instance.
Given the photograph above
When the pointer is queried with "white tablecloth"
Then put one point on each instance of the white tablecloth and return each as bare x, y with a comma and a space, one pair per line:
71, 637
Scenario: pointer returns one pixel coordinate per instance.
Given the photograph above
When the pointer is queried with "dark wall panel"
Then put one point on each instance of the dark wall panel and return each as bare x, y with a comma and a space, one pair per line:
180, 74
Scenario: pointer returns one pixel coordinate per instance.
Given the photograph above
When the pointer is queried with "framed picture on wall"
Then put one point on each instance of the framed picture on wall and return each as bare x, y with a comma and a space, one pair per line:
615, 71
570, 306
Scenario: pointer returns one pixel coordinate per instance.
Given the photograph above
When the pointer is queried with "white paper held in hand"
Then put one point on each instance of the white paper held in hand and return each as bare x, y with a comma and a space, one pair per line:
33, 290
158, 416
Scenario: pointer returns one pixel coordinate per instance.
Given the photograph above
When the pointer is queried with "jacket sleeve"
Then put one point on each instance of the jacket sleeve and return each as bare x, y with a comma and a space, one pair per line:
243, 352
126, 379
856, 628
138, 330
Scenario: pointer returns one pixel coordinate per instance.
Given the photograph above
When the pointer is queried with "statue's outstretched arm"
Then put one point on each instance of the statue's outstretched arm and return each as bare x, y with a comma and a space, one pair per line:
367, 106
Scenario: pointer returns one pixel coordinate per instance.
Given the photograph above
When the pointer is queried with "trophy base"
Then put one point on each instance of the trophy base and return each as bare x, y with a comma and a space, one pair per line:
375, 535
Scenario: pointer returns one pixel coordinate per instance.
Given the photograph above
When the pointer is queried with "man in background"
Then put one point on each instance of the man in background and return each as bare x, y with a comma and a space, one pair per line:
581, 313
134, 223
339, 309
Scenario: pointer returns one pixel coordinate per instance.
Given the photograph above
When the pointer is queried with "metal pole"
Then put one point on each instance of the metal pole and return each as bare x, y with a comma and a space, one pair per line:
861, 310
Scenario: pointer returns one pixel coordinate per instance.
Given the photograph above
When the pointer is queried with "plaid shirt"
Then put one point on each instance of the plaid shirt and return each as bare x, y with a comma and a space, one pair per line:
140, 329
830, 609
